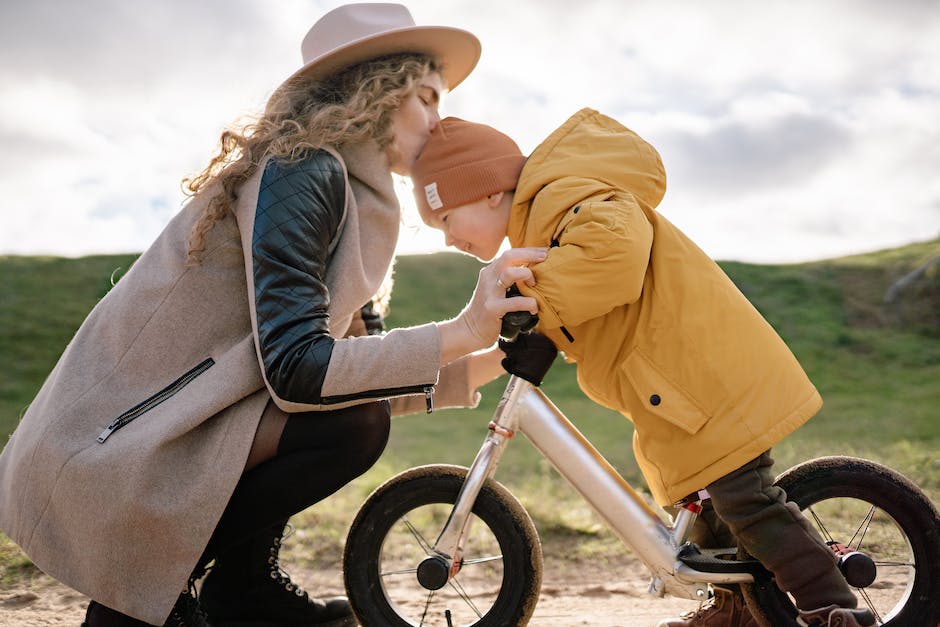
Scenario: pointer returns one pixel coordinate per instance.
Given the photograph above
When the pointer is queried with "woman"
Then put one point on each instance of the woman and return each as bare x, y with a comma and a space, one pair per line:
213, 392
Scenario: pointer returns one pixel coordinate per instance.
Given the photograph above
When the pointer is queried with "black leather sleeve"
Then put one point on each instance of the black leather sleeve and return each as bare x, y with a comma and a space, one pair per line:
300, 210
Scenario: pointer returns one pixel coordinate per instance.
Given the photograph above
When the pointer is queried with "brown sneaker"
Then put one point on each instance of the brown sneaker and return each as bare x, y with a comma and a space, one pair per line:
835, 616
724, 609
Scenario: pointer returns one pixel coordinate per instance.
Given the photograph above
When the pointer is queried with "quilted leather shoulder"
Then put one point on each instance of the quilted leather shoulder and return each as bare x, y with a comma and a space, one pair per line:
300, 211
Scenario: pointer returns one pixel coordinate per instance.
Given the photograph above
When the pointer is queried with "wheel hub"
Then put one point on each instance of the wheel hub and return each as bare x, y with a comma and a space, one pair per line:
433, 572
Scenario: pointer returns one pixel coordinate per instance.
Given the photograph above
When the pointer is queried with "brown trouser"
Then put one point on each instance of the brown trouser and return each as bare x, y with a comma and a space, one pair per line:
757, 513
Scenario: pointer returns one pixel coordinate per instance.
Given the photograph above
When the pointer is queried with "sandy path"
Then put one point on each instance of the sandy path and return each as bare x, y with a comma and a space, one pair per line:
572, 595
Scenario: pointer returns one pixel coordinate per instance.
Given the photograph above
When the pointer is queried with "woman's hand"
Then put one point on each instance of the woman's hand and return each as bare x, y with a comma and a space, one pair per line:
477, 326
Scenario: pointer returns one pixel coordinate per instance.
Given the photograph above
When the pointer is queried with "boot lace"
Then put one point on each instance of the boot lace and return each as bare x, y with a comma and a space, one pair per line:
277, 574
703, 610
188, 612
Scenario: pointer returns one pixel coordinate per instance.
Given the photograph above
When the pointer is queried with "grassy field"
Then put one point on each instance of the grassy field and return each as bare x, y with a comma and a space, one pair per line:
880, 379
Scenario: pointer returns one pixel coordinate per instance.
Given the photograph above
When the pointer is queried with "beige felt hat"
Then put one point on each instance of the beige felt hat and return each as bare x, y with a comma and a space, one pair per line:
353, 33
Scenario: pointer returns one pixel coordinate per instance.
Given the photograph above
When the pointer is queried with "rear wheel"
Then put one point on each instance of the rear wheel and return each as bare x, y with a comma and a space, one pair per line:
877, 512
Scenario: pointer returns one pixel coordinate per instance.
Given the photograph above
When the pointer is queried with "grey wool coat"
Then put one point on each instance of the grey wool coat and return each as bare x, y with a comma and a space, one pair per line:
123, 515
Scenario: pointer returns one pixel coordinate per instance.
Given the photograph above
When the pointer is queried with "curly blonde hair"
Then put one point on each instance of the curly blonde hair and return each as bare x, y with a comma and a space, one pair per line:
304, 114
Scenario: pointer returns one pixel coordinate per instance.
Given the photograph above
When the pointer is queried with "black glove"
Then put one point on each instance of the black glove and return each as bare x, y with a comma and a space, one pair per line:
516, 322
529, 356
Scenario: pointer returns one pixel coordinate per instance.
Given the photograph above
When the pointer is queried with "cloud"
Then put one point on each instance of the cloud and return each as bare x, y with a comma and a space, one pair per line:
790, 130
735, 156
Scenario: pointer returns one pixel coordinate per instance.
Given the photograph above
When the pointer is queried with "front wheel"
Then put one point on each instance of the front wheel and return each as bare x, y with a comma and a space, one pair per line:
875, 511
501, 570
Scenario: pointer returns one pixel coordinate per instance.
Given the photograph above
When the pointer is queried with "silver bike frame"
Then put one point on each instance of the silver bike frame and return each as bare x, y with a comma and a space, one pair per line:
524, 407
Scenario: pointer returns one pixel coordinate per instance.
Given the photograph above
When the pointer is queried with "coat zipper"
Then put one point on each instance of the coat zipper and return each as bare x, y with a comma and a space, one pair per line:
428, 391
141, 408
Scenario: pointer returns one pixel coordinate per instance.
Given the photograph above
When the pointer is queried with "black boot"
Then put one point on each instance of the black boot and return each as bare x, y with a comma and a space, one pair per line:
186, 613
247, 588
98, 615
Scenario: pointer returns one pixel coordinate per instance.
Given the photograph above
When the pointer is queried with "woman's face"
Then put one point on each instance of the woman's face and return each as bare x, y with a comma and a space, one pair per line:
412, 123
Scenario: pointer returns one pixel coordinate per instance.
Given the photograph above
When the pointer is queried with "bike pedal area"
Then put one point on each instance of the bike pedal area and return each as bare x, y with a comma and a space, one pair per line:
723, 560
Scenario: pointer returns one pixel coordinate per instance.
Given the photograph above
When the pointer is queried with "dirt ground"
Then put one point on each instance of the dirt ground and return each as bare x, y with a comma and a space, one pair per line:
573, 594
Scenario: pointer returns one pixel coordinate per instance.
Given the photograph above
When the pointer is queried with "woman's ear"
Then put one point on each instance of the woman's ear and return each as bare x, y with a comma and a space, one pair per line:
493, 200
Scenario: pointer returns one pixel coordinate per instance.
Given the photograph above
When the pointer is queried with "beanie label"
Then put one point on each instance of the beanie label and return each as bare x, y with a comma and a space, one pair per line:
434, 199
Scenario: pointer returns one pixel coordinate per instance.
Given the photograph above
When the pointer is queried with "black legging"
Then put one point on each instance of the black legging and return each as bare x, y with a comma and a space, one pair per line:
317, 454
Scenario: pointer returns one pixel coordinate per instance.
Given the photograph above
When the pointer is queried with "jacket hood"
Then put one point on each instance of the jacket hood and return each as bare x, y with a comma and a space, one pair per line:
590, 145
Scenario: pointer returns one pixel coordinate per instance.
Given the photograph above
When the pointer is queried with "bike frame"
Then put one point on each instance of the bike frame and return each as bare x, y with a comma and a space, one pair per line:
524, 407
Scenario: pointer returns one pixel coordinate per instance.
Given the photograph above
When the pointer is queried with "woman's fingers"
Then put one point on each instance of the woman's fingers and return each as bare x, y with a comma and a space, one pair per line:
515, 274
516, 259
512, 267
482, 317
503, 306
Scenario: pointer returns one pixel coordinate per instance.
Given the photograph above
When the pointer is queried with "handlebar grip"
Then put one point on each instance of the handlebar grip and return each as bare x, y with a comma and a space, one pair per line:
516, 322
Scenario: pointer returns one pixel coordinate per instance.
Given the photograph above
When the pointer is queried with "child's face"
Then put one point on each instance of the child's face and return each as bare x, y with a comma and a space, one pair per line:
477, 228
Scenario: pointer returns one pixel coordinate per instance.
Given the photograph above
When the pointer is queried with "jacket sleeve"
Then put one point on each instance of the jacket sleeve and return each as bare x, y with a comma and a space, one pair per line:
597, 260
299, 212
453, 390
298, 215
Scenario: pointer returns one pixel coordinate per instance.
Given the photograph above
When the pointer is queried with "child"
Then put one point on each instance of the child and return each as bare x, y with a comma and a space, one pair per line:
658, 331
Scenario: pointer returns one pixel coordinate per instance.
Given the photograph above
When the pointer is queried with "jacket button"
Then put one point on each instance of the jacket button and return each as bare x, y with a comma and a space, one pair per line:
655, 400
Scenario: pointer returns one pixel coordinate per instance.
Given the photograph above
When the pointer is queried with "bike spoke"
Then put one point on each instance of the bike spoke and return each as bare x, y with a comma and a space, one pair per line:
880, 563
404, 571
466, 597
863, 528
427, 604
482, 560
820, 525
424, 544
870, 604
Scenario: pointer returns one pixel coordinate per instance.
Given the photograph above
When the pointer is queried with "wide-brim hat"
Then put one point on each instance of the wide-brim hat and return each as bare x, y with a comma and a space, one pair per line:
354, 33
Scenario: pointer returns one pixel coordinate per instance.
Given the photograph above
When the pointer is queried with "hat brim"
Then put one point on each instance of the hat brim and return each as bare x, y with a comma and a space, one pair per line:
455, 50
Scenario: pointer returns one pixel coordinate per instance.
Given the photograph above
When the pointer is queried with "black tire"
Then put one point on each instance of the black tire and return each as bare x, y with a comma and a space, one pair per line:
878, 512
498, 584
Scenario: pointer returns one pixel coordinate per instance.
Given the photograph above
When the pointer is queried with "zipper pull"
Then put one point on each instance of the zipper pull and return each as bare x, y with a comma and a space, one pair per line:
107, 432
429, 398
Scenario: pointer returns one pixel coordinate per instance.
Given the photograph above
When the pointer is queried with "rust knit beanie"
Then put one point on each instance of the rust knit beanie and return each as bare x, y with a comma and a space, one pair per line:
461, 163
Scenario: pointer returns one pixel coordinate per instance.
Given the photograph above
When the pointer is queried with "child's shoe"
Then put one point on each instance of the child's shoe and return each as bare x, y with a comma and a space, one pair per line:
724, 609
835, 616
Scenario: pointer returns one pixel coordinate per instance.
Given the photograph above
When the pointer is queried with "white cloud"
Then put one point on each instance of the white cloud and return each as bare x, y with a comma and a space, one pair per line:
791, 130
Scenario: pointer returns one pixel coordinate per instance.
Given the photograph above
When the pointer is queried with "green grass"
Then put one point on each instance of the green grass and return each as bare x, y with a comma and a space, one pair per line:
880, 381
43, 300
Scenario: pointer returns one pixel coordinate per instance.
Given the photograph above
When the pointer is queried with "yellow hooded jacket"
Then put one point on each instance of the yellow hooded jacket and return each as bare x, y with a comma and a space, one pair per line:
658, 331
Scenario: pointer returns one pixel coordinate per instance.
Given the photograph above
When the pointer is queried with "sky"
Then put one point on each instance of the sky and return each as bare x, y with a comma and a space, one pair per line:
790, 130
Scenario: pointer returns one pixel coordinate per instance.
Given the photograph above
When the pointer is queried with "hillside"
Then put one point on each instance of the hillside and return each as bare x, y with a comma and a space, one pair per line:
878, 371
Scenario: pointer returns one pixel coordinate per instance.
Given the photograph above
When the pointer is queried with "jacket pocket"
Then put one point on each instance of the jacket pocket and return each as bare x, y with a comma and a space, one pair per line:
661, 396
143, 407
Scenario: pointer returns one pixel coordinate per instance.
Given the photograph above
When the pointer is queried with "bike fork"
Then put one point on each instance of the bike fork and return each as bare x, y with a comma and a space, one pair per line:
447, 553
